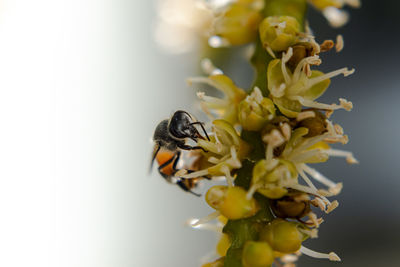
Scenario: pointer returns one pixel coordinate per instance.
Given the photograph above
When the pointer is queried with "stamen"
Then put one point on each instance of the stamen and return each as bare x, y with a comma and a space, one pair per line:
274, 138
308, 190
196, 174
313, 60
251, 191
339, 43
331, 256
270, 52
305, 115
317, 202
196, 223
338, 129
304, 176
205, 108
347, 105
271, 164
310, 223
308, 143
313, 233
301, 197
286, 130
313, 81
215, 161
336, 190
332, 206
234, 160
285, 58
278, 91
317, 105
229, 178
213, 102
257, 95
342, 153
314, 219
269, 154
327, 45
299, 156
318, 176
303, 188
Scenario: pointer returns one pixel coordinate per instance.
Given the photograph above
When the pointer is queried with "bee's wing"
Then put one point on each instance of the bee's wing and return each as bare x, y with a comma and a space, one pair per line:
154, 155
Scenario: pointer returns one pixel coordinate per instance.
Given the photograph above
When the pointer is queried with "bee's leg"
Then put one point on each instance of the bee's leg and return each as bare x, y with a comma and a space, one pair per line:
155, 152
186, 147
205, 177
184, 187
202, 127
177, 157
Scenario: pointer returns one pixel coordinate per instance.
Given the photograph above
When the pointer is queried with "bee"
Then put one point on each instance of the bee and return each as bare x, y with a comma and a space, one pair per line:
170, 138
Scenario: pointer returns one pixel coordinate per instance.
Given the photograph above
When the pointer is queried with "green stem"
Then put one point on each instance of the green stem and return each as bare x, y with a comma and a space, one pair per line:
243, 230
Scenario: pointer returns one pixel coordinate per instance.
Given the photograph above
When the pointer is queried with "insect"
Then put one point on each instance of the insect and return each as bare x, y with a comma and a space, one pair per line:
170, 138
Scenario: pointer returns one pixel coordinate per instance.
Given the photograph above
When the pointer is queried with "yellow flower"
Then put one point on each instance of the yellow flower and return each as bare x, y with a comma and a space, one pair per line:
255, 111
238, 23
257, 254
226, 150
290, 90
279, 33
226, 108
270, 178
231, 202
283, 236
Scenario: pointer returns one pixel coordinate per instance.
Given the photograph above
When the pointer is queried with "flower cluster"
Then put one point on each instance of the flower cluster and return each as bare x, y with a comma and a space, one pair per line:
264, 142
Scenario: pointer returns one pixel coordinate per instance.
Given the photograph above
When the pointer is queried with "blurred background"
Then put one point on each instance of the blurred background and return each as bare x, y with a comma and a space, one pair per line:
83, 85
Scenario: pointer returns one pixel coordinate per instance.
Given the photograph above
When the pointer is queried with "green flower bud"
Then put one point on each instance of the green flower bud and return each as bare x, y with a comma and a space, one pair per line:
255, 111
269, 177
239, 24
232, 202
283, 236
257, 254
279, 33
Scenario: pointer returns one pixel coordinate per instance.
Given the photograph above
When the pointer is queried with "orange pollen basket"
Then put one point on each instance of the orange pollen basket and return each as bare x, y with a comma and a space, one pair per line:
162, 157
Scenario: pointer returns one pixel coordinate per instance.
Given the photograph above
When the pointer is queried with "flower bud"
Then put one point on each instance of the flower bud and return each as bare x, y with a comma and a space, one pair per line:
257, 254
283, 236
269, 177
231, 202
255, 111
279, 33
238, 25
